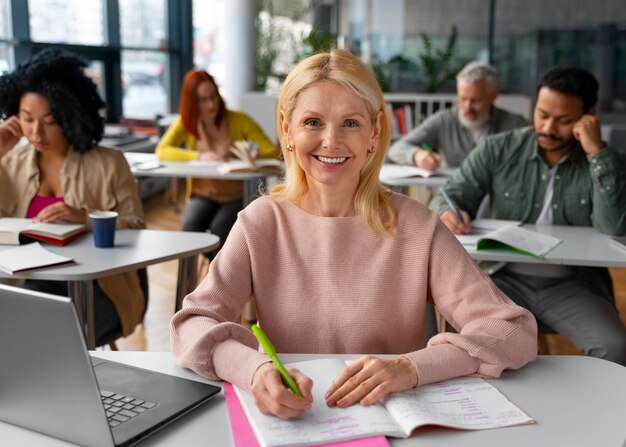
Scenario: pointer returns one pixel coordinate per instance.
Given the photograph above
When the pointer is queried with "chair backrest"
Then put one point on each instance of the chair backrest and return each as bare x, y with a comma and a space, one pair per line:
617, 139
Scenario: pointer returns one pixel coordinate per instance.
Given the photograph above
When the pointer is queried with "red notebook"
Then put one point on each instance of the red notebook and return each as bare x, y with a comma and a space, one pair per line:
52, 240
244, 436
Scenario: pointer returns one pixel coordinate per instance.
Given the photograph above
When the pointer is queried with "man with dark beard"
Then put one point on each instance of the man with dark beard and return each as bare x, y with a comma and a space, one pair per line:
454, 132
557, 172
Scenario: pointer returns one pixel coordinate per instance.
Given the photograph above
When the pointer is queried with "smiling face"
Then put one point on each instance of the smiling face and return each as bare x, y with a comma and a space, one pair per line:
38, 124
331, 131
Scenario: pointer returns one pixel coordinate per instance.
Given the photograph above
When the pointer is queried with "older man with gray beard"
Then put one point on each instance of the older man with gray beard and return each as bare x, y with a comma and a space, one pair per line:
454, 132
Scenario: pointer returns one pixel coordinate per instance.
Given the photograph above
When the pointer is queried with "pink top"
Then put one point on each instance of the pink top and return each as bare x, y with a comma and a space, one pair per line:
40, 202
333, 285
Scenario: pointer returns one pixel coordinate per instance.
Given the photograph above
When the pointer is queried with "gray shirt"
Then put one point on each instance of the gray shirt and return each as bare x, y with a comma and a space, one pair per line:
445, 134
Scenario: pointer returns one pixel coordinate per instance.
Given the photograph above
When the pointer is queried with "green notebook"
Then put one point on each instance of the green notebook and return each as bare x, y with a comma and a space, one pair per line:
520, 239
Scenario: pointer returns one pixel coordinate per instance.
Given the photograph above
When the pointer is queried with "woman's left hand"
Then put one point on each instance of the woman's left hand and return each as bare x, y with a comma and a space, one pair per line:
60, 212
368, 379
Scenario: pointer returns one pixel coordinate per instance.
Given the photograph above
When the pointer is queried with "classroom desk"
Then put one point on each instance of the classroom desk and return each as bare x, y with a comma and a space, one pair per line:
402, 185
133, 249
251, 180
581, 246
577, 402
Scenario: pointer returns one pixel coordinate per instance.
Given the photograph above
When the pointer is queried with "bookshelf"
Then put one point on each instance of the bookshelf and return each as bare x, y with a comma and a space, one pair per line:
407, 110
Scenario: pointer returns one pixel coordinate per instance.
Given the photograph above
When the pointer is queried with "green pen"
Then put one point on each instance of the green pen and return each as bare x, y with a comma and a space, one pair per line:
426, 148
269, 349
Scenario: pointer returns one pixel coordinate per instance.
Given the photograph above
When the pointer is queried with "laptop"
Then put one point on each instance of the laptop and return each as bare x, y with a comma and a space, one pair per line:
50, 384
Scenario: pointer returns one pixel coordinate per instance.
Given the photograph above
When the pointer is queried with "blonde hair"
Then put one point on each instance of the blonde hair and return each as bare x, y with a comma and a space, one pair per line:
372, 202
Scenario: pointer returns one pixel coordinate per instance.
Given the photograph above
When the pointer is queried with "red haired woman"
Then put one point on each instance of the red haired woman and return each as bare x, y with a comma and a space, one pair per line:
208, 130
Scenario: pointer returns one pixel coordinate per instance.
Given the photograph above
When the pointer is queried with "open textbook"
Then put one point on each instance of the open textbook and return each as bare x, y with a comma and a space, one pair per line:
247, 161
496, 234
28, 257
390, 172
464, 403
56, 233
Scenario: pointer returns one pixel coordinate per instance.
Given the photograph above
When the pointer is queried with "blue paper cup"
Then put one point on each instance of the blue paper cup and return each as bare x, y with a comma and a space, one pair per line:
103, 228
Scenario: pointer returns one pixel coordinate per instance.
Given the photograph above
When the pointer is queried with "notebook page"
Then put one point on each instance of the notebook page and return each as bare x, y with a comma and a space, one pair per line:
466, 402
322, 424
243, 436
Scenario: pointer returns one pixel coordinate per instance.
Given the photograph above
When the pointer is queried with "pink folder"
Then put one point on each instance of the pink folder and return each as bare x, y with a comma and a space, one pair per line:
243, 435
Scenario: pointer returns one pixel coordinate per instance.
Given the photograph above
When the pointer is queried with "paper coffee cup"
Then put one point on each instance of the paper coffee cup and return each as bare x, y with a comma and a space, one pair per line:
103, 228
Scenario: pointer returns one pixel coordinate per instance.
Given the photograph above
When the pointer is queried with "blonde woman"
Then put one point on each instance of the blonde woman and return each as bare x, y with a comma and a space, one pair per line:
335, 265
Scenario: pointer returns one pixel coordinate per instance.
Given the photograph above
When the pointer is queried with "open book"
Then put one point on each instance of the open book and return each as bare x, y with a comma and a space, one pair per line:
396, 172
464, 403
56, 233
28, 257
247, 161
498, 234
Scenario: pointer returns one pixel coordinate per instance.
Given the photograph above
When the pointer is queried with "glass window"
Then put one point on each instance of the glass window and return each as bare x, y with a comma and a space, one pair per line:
418, 45
208, 21
6, 59
143, 84
142, 23
68, 21
532, 37
5, 19
95, 71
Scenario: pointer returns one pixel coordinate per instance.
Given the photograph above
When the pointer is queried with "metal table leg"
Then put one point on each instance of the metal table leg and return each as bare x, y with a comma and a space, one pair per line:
81, 293
187, 279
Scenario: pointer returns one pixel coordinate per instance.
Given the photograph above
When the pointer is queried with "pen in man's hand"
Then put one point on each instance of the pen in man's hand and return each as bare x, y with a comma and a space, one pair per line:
269, 349
453, 208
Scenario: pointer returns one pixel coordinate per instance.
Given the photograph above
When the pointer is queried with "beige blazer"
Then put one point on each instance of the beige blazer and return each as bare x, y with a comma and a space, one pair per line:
99, 179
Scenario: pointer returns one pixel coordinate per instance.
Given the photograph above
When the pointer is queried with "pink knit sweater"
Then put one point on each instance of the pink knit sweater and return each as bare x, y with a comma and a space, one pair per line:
332, 285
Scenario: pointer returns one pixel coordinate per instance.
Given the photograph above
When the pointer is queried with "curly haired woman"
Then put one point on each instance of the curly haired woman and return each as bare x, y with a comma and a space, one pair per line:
51, 170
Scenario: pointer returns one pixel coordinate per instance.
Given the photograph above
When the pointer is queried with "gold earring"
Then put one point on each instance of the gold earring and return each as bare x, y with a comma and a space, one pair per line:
371, 150
290, 148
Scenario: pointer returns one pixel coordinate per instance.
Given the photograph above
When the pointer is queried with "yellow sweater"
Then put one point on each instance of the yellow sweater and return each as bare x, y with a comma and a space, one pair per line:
241, 126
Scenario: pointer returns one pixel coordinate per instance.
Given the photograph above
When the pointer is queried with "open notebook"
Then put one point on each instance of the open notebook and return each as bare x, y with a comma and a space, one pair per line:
467, 403
390, 172
490, 234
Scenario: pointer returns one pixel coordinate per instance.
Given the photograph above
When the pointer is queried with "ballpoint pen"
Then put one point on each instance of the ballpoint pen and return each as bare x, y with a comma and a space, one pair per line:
453, 208
269, 349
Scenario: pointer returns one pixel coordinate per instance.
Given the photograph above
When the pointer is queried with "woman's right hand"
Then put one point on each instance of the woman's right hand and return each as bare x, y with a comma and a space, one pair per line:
272, 397
10, 134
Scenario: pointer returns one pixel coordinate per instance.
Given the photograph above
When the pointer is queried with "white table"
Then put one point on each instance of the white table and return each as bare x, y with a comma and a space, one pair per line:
251, 180
576, 401
133, 250
581, 246
402, 184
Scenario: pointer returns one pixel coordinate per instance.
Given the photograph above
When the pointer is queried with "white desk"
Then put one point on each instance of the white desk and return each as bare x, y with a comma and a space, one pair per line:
581, 246
576, 401
401, 184
251, 180
133, 249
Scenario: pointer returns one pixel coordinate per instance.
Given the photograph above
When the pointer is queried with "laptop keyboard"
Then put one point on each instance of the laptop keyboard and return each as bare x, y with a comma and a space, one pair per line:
120, 408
